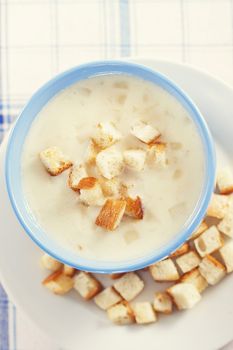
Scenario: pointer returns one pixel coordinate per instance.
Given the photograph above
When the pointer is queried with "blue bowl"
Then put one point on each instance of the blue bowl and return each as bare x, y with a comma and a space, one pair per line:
15, 147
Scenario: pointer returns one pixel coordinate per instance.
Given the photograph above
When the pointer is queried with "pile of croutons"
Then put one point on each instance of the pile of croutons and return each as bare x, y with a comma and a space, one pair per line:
202, 261
106, 189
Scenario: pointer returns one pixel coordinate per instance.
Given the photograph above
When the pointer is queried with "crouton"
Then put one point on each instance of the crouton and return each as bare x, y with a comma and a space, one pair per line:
69, 270
107, 298
184, 295
111, 214
86, 285
144, 132
134, 208
110, 188
91, 153
90, 191
50, 263
162, 303
77, 172
180, 251
226, 224
129, 286
58, 283
194, 277
121, 313
211, 269
225, 181
110, 163
106, 135
218, 206
115, 276
209, 241
164, 270
188, 261
54, 161
135, 159
157, 154
226, 253
202, 227
144, 313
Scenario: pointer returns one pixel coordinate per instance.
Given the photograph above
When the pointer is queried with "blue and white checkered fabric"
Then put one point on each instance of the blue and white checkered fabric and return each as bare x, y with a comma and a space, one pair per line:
39, 38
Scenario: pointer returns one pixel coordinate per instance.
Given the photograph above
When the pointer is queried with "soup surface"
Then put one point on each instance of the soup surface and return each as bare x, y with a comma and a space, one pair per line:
168, 193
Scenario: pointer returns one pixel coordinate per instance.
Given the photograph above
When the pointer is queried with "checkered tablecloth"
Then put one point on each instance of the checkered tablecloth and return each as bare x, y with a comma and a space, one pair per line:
39, 38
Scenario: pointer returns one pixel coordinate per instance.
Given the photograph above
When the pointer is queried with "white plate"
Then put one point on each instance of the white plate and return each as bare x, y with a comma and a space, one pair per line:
73, 323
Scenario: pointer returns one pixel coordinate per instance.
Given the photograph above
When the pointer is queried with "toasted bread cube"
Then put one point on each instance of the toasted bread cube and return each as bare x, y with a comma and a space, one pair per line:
144, 313
58, 283
91, 153
209, 241
110, 188
107, 298
163, 303
69, 270
218, 206
111, 214
106, 135
181, 250
90, 191
188, 261
135, 159
50, 263
164, 270
86, 285
225, 181
194, 277
115, 276
121, 313
157, 154
144, 132
211, 269
202, 227
110, 163
77, 172
134, 208
227, 255
226, 224
129, 286
54, 161
184, 295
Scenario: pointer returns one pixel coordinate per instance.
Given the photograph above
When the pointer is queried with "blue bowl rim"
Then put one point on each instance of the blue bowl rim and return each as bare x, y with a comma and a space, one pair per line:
208, 186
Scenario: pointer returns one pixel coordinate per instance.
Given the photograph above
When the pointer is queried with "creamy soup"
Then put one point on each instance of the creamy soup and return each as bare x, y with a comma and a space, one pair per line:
168, 193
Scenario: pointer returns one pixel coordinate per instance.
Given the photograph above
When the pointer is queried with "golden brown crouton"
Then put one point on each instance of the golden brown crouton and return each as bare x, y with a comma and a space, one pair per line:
115, 276
202, 227
211, 269
49, 263
226, 253
86, 285
218, 206
144, 313
209, 241
134, 207
121, 313
110, 188
226, 224
163, 303
129, 285
69, 270
225, 181
86, 183
106, 135
180, 251
135, 159
194, 277
107, 298
111, 214
164, 271
54, 161
188, 261
77, 172
58, 283
90, 191
157, 154
144, 132
184, 295
110, 163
